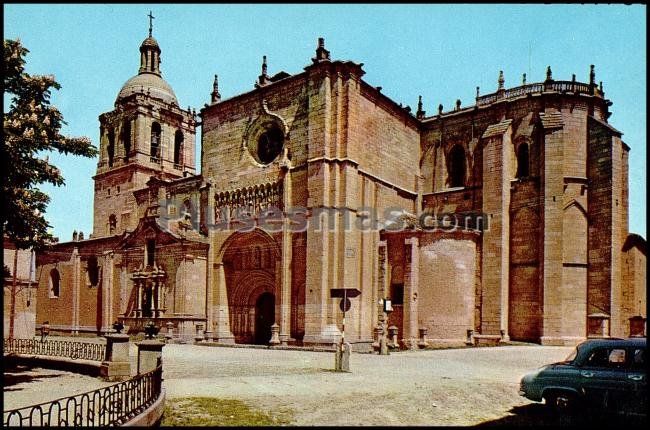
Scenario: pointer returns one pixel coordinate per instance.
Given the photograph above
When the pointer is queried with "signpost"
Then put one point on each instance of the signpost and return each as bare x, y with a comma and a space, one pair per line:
342, 358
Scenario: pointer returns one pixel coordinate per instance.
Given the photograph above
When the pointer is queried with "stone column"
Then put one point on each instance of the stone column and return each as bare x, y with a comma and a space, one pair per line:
149, 355
138, 296
411, 277
222, 333
285, 272
152, 309
154, 298
116, 365
161, 297
209, 284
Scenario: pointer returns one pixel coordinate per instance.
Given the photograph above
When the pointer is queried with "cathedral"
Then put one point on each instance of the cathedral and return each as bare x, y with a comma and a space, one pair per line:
503, 220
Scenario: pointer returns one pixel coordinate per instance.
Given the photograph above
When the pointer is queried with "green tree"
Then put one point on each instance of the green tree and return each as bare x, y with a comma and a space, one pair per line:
31, 128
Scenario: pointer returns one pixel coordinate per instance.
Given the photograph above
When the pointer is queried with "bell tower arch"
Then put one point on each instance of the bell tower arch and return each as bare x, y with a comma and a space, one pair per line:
146, 134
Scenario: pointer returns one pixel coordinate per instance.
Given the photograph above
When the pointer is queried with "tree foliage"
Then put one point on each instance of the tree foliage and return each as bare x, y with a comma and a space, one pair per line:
31, 128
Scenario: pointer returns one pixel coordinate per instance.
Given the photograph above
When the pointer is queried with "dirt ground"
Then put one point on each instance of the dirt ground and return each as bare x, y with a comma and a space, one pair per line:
442, 387
29, 385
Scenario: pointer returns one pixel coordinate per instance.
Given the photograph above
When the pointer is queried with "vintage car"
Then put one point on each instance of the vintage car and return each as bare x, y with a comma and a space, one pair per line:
605, 373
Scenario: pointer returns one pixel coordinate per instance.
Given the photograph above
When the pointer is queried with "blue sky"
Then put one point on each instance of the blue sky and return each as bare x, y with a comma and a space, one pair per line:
442, 52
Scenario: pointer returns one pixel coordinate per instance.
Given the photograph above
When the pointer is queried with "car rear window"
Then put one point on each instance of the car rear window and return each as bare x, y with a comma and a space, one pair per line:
616, 358
638, 359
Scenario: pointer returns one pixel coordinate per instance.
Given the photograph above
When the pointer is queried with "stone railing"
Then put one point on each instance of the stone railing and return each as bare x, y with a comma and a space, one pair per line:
556, 86
58, 348
251, 200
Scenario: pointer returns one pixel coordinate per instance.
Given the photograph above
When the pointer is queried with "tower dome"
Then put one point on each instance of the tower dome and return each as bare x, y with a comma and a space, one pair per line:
150, 84
149, 78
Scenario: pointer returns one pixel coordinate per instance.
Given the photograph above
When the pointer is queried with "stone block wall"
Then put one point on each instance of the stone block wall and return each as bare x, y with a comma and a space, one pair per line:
601, 228
446, 287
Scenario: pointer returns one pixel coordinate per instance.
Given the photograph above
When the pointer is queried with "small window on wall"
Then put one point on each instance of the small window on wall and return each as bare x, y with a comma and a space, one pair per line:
111, 147
522, 161
93, 272
151, 252
55, 283
178, 149
126, 139
397, 294
457, 167
112, 224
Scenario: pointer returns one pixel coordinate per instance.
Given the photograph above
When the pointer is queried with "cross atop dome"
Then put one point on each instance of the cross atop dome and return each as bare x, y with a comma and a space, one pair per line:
151, 18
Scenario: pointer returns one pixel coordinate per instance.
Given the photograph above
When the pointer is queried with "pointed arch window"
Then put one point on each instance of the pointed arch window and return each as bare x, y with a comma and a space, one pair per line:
155, 142
457, 166
523, 161
110, 149
178, 149
55, 284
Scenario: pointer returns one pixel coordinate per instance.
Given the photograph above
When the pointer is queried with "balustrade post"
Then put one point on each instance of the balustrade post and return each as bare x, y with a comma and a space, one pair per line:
116, 365
149, 355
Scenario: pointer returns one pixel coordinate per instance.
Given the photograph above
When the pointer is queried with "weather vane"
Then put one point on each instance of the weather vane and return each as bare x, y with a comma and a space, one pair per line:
151, 18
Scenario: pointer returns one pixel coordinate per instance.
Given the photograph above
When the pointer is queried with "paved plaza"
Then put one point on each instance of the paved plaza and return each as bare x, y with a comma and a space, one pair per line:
468, 386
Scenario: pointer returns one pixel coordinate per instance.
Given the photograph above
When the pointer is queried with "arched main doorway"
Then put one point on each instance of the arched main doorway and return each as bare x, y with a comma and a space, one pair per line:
249, 262
264, 318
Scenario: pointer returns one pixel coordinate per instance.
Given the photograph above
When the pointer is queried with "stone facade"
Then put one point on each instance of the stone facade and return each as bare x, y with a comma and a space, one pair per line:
317, 181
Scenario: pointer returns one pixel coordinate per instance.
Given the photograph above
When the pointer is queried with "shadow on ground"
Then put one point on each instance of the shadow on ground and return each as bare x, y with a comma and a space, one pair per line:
17, 374
538, 414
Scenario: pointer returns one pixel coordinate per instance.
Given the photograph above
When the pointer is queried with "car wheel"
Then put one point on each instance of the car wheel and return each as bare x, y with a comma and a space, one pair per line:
562, 401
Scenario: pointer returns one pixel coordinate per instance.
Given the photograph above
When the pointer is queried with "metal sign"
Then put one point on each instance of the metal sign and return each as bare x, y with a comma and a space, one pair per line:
344, 292
388, 305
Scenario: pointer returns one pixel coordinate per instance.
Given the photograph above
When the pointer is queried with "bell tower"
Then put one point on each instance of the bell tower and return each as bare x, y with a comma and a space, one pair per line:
146, 134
